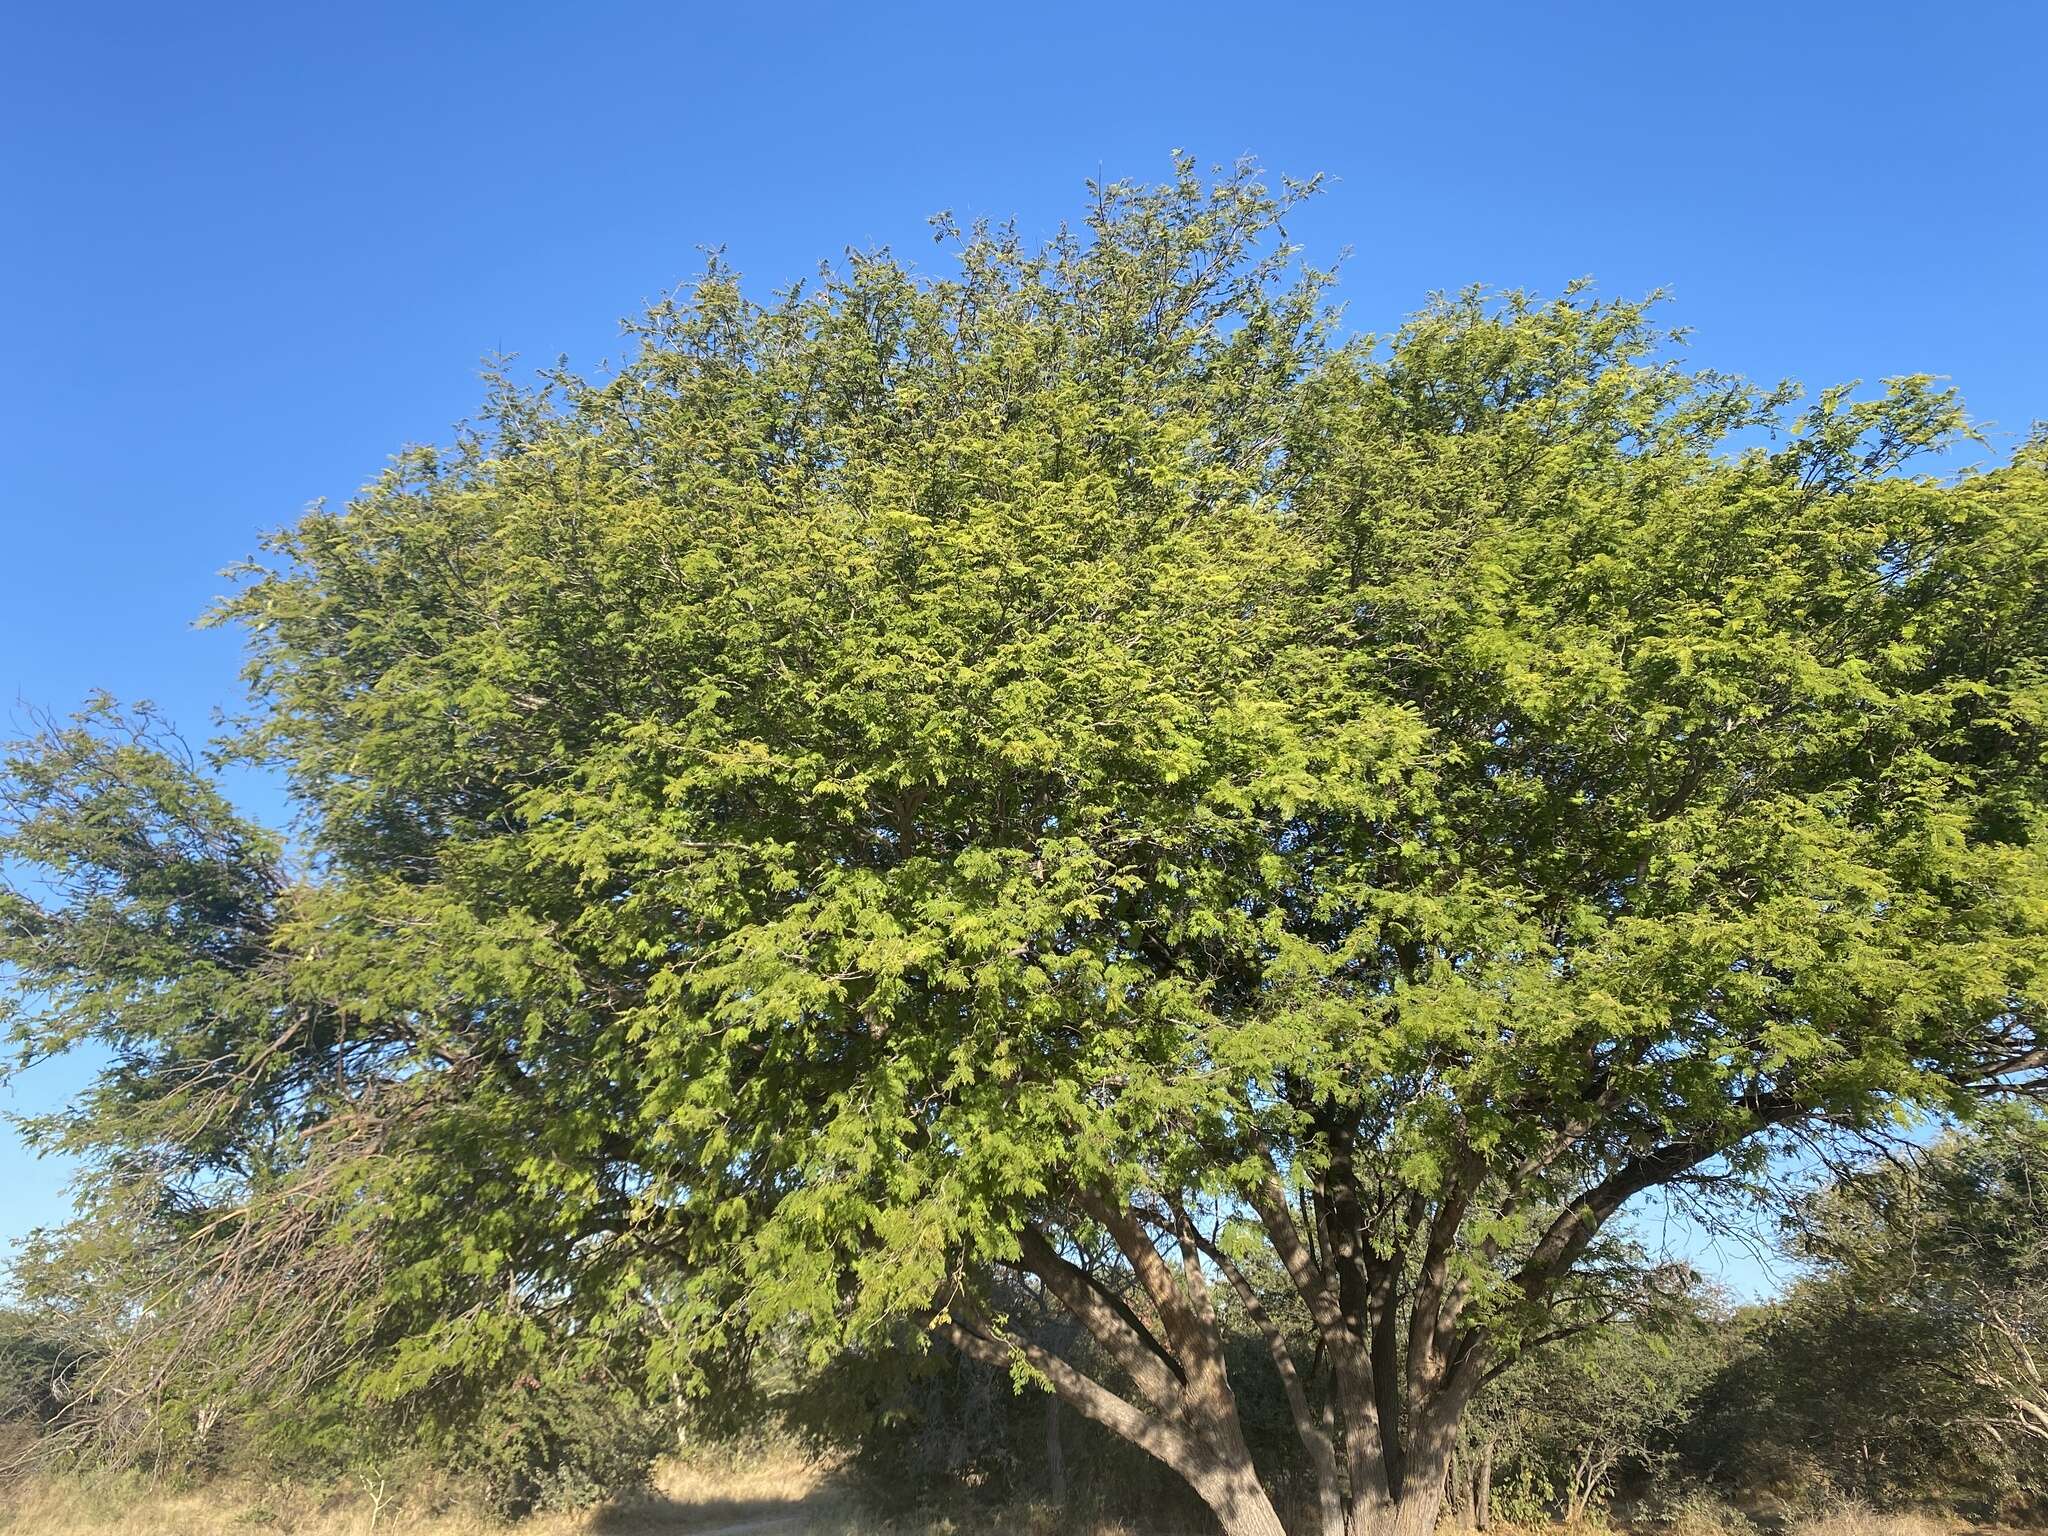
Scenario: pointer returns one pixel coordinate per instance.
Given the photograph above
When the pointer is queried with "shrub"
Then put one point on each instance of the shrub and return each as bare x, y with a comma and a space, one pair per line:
558, 1445
1692, 1509
35, 1363
1851, 1517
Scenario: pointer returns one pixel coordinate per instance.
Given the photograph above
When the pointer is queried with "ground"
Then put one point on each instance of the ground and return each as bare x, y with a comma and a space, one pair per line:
766, 1494
772, 1494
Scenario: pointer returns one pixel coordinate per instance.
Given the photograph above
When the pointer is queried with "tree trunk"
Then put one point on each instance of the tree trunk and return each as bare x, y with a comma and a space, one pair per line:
1400, 1408
1413, 1515
1585, 1483
1055, 1455
1482, 1488
1202, 1441
1425, 1479
1458, 1494
1238, 1500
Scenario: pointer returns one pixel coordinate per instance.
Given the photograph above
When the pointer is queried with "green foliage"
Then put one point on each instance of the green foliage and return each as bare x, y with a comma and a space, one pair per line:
37, 1365
1574, 1421
892, 769
1904, 1364
562, 1444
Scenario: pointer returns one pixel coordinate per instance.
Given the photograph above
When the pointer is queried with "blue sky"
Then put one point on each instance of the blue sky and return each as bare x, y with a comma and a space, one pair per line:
248, 252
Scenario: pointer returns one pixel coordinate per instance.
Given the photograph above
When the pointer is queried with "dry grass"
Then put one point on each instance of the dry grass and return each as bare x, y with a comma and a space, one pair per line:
774, 1494
1859, 1520
770, 1493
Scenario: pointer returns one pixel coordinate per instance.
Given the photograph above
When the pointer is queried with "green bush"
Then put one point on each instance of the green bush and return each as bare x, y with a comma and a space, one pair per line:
36, 1363
1689, 1508
555, 1445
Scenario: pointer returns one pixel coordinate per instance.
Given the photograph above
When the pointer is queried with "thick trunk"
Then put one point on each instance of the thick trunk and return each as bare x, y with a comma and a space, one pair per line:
1237, 1499
1414, 1509
1382, 1445
1316, 1437
1414, 1514
1196, 1433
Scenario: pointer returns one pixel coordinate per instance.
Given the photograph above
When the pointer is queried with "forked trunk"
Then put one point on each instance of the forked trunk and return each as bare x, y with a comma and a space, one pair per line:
1413, 1513
1585, 1483
1393, 1413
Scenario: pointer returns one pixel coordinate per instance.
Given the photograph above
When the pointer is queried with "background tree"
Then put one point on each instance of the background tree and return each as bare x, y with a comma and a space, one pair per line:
37, 1365
1606, 1404
1592, 1412
1947, 1252
940, 784
1905, 1364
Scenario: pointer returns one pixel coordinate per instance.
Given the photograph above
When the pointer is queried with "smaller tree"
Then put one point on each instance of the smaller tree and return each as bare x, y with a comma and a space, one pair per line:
1906, 1363
1570, 1420
1933, 1273
38, 1359
1949, 1254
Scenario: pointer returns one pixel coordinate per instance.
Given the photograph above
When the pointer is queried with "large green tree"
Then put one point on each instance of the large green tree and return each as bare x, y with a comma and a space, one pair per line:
1036, 775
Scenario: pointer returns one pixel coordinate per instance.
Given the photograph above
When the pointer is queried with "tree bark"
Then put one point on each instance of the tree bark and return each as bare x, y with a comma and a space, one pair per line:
1315, 1439
1198, 1436
1458, 1495
1055, 1454
1236, 1497
1426, 1473
1482, 1490
1402, 1359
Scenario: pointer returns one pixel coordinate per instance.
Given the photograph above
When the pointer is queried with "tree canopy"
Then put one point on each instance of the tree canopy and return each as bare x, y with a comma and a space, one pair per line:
1056, 775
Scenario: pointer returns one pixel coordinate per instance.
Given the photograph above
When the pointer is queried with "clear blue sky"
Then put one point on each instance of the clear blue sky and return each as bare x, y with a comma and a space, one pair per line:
246, 252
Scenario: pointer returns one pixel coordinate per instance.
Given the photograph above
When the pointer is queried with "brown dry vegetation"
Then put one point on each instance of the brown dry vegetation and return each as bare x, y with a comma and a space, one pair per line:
1854, 1520
774, 1493
769, 1494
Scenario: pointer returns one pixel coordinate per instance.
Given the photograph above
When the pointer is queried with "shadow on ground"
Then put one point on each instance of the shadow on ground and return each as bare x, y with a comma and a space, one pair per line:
659, 1515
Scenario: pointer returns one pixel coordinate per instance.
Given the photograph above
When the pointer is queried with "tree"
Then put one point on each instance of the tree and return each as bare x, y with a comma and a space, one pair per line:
36, 1365
1606, 1402
1575, 1417
1908, 1359
1949, 1248
1036, 771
